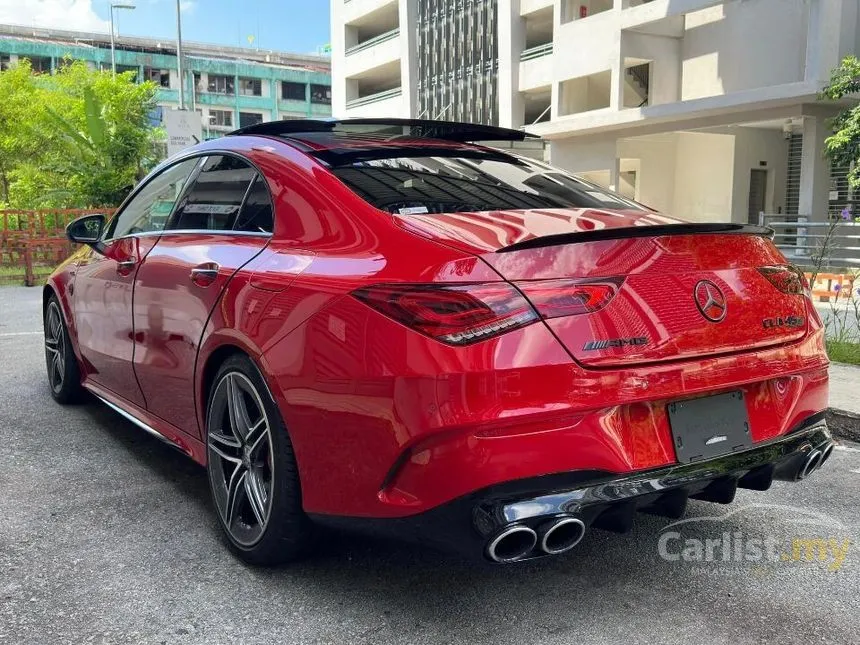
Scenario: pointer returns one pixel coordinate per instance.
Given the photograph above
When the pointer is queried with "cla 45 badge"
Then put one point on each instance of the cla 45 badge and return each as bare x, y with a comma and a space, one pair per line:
784, 321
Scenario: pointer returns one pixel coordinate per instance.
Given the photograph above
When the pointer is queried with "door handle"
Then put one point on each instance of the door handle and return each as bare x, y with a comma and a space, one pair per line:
125, 267
204, 274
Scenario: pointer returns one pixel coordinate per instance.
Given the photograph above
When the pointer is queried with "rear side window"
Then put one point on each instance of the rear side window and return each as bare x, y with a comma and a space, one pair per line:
215, 196
256, 215
413, 185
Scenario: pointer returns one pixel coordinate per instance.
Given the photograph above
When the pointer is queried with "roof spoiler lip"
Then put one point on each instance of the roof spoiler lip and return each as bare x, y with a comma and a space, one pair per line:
421, 128
653, 230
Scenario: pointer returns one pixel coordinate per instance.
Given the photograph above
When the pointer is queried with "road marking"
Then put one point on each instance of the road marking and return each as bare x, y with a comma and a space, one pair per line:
21, 333
846, 449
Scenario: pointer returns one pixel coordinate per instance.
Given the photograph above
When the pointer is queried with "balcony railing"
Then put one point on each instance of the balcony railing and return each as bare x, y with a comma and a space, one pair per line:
536, 52
815, 244
367, 44
374, 98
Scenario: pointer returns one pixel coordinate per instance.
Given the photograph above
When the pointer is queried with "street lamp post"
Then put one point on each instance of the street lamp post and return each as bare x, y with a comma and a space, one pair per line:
115, 5
179, 57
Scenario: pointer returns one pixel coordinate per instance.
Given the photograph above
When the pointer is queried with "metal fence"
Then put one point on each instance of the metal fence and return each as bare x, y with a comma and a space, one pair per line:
33, 242
833, 244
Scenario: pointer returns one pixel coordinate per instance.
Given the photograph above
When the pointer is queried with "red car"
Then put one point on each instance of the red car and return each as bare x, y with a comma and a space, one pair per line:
382, 325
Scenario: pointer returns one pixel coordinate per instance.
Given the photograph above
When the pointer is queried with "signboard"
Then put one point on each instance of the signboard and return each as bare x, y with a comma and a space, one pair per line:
183, 128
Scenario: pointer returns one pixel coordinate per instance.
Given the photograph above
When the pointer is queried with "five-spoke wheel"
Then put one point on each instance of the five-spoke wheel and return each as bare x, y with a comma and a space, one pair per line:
240, 455
252, 470
64, 376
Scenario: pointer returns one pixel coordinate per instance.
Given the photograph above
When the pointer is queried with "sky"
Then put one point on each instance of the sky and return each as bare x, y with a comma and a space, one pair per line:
299, 26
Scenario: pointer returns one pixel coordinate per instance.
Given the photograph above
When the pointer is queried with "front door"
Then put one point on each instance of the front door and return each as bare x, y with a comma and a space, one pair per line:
222, 221
104, 283
757, 195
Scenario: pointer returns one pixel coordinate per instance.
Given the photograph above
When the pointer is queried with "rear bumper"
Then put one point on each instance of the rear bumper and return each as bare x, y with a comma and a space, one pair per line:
598, 499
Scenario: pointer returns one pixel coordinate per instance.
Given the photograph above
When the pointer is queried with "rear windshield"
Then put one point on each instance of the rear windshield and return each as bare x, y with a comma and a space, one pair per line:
415, 185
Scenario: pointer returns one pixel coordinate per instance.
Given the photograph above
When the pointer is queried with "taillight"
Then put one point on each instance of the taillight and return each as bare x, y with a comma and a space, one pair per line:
457, 314
786, 278
555, 298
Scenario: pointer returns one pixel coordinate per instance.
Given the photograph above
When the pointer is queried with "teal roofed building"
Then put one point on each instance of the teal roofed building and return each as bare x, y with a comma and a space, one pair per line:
230, 87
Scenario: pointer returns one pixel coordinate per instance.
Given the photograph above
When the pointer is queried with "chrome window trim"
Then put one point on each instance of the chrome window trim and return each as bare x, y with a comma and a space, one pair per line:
199, 231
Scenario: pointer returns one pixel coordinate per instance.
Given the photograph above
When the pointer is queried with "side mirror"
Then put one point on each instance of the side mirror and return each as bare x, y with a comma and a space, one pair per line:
87, 230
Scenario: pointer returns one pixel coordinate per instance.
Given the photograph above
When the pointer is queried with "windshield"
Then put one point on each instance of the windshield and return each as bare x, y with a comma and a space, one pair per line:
413, 185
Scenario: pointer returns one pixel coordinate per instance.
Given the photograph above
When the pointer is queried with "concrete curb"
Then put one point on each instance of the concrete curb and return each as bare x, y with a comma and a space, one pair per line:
843, 424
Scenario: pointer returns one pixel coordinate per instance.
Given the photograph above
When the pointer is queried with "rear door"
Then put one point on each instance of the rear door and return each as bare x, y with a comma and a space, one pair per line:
221, 222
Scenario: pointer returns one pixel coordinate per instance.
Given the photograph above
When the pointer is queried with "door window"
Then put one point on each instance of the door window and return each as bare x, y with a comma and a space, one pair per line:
213, 201
150, 208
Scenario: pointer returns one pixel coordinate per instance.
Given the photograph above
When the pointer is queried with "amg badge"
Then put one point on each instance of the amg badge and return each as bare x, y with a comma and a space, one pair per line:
787, 321
614, 342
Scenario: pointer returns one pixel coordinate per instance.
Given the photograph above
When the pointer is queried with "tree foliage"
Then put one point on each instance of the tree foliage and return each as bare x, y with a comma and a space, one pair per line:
843, 146
75, 138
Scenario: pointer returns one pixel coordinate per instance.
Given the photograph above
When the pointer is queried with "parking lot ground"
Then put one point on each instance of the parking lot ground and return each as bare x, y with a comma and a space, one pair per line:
108, 536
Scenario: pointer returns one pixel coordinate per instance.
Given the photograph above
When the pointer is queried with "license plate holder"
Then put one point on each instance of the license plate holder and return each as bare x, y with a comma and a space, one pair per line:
710, 426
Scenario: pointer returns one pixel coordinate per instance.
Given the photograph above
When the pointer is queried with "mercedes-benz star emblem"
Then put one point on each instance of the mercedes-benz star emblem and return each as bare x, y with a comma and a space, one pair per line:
710, 300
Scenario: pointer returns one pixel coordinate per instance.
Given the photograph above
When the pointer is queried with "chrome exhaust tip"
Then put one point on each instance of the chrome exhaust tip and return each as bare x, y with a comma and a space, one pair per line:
825, 454
512, 544
813, 461
561, 535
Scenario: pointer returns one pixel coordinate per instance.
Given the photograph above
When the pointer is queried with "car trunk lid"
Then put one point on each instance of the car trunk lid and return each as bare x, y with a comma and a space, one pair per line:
681, 290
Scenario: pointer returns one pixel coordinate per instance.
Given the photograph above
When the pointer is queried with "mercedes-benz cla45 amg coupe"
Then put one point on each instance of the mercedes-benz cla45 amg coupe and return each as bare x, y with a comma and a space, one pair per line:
384, 325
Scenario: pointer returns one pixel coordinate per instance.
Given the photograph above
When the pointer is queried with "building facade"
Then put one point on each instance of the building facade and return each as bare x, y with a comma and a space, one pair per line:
229, 86
706, 109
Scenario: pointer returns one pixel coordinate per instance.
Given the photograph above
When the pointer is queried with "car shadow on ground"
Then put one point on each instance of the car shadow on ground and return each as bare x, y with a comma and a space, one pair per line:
407, 587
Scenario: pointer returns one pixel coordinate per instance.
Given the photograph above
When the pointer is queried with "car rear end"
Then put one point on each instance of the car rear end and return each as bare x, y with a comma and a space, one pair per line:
614, 361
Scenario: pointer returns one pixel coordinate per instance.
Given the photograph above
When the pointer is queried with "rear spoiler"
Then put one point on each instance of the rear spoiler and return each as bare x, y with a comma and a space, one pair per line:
637, 231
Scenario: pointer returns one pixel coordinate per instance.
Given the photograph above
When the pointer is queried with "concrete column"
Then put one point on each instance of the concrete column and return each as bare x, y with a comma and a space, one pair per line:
616, 80
512, 41
615, 174
831, 35
273, 93
408, 17
814, 170
338, 62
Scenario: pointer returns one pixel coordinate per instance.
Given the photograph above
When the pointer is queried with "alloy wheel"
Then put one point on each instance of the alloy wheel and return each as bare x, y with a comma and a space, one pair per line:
55, 347
241, 466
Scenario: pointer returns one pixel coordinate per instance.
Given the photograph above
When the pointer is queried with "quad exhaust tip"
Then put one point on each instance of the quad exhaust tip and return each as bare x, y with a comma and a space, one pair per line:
561, 535
512, 544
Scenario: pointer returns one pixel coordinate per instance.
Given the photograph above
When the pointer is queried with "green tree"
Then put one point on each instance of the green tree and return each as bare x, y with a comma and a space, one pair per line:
76, 138
843, 146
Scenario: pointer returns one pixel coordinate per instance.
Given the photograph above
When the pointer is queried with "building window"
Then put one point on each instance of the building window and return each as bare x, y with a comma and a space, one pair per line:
221, 118
5, 62
292, 117
160, 77
250, 87
198, 83
249, 118
221, 84
292, 91
39, 64
321, 94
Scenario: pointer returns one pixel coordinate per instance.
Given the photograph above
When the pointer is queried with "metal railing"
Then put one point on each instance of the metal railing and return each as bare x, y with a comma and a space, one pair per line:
370, 42
536, 52
374, 98
831, 244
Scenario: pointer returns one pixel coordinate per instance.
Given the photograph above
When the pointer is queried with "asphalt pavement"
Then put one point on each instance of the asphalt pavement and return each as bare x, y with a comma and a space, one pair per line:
108, 536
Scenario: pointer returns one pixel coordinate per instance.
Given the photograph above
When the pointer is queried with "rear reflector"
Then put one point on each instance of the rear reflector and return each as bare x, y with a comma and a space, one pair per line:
457, 314
556, 298
786, 278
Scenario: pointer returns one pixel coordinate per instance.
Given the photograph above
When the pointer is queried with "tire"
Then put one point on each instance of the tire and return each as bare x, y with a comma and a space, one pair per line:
64, 374
252, 470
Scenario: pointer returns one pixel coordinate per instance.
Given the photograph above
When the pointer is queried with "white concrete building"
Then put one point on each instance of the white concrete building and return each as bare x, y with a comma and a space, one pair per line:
706, 109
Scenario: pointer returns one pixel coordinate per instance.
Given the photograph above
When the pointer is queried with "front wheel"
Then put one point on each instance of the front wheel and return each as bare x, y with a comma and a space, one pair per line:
64, 376
252, 470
